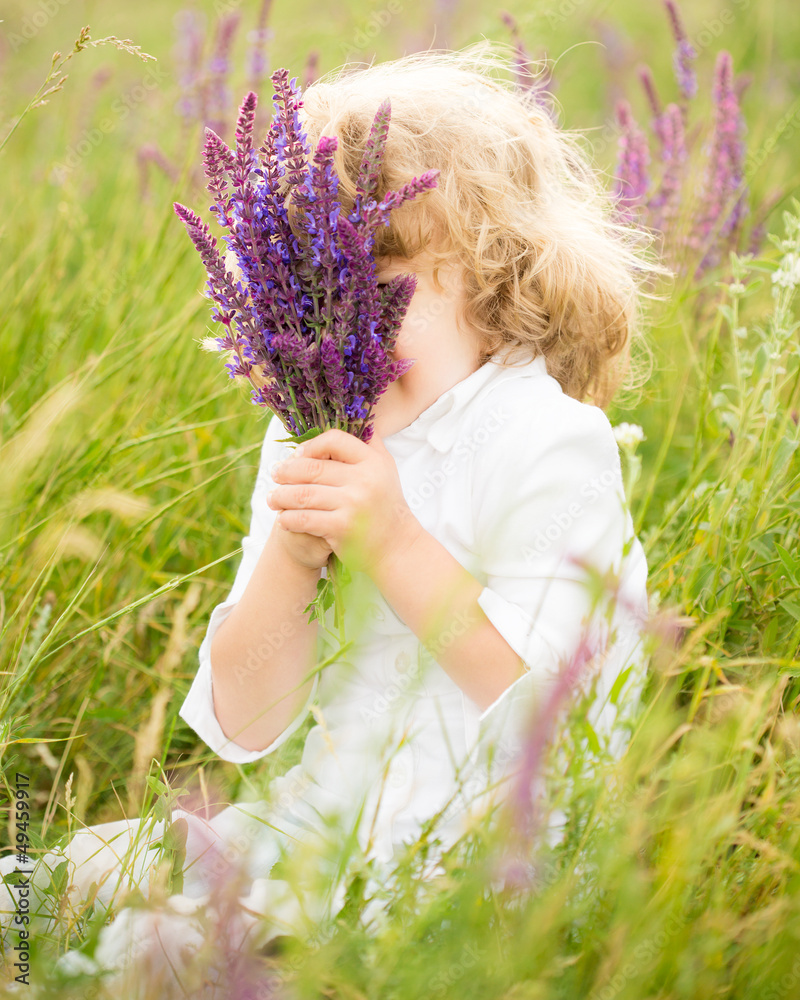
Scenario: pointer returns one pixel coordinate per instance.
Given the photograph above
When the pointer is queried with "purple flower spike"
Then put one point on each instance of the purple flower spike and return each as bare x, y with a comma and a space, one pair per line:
658, 122
539, 86
189, 53
664, 204
219, 163
724, 192
217, 92
291, 144
245, 160
395, 299
523, 807
259, 38
684, 53
305, 321
372, 160
631, 176
649, 85
687, 79
312, 64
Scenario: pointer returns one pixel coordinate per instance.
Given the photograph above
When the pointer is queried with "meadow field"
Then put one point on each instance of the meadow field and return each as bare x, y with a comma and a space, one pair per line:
127, 461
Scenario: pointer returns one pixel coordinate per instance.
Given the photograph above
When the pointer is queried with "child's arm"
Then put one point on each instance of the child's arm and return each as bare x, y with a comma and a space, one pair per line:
268, 636
264, 649
438, 599
547, 506
566, 578
547, 502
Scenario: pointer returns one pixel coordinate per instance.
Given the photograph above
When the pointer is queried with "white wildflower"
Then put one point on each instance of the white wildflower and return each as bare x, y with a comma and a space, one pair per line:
788, 274
628, 435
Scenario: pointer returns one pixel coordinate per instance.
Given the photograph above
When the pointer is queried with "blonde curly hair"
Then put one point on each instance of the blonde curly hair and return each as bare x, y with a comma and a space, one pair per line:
518, 205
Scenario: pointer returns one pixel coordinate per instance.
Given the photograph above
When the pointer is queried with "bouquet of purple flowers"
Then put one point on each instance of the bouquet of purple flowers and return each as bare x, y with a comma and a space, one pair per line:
306, 323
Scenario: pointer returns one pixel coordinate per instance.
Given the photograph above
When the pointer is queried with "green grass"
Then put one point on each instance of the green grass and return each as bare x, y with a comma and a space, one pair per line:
127, 466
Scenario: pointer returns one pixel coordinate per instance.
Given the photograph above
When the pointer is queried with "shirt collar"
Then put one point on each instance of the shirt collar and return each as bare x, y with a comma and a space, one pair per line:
440, 422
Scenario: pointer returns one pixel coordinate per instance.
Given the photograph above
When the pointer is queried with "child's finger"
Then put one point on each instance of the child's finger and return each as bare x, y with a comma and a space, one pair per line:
324, 472
303, 497
333, 443
309, 522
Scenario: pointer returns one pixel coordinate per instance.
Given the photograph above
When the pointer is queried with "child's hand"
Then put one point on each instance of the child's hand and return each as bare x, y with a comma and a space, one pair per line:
348, 494
306, 550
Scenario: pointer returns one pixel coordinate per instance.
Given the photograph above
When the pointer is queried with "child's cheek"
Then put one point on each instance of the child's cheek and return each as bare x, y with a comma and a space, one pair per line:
415, 325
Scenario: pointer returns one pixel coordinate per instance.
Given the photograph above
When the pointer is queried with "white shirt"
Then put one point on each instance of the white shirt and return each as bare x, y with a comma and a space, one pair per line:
512, 477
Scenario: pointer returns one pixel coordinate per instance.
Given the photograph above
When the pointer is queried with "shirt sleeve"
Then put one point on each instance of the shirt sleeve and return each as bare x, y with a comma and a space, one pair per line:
198, 707
551, 524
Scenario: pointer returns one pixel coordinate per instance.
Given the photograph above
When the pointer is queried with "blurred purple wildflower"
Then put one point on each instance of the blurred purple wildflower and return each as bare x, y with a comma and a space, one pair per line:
149, 154
684, 53
523, 808
526, 804
616, 55
216, 88
307, 323
631, 176
259, 38
649, 85
712, 223
664, 205
443, 11
540, 86
189, 26
723, 196
312, 64
657, 123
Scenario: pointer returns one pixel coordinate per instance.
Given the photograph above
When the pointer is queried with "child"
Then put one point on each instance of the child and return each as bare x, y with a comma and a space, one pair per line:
472, 522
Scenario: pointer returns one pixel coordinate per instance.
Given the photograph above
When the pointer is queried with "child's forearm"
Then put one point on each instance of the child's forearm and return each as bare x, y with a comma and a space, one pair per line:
264, 649
438, 599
